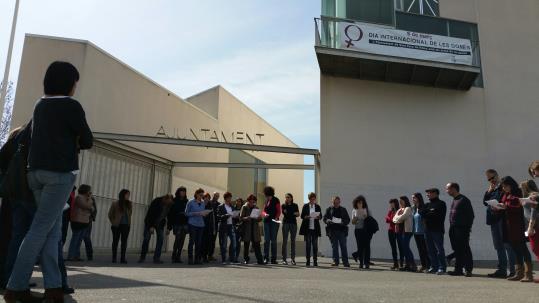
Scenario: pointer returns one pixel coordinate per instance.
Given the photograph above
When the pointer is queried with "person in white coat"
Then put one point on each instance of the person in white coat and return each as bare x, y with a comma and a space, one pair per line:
404, 228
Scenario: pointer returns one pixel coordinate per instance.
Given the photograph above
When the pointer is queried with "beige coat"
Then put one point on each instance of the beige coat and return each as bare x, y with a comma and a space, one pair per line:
115, 214
82, 209
405, 217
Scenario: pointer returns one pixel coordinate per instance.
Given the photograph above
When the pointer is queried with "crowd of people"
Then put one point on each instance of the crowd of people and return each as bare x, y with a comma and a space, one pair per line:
39, 165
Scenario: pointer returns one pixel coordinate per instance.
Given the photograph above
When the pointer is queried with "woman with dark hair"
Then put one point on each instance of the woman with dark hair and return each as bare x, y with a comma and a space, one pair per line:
120, 220
310, 228
404, 220
419, 231
360, 212
290, 227
251, 232
514, 215
177, 223
531, 214
81, 213
392, 235
271, 214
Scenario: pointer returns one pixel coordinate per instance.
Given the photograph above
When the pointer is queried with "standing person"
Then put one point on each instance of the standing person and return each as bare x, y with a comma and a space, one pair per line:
177, 222
195, 218
290, 227
310, 228
120, 213
533, 169
405, 222
392, 235
87, 235
337, 220
272, 213
460, 226
213, 222
52, 169
17, 214
66, 215
496, 221
209, 229
251, 230
81, 213
155, 221
419, 231
531, 213
434, 215
226, 230
512, 207
238, 204
360, 212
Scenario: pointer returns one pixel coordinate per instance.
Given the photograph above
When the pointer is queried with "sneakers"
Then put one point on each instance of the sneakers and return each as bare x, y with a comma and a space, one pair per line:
441, 272
284, 262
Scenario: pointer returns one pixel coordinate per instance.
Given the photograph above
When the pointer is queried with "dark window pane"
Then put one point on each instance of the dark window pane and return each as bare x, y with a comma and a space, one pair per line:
376, 11
421, 24
423, 7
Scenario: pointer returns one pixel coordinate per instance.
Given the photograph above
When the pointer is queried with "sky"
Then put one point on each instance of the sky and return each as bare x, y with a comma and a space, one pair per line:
261, 51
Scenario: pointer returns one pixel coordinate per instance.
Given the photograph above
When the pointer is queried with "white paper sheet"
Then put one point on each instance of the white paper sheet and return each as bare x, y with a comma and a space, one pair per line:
336, 220
492, 203
315, 214
278, 222
235, 214
255, 213
524, 201
206, 212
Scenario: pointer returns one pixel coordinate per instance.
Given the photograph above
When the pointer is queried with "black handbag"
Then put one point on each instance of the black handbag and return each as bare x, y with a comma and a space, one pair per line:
371, 225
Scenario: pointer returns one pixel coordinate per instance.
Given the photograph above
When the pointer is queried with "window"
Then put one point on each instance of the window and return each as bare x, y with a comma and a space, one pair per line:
375, 11
422, 7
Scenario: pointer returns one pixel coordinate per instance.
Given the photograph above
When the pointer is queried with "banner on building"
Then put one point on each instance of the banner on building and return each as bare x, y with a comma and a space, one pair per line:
374, 39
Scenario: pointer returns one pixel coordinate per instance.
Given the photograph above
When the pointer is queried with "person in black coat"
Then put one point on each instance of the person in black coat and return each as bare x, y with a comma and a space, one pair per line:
310, 228
225, 214
155, 221
272, 213
337, 220
177, 223
461, 219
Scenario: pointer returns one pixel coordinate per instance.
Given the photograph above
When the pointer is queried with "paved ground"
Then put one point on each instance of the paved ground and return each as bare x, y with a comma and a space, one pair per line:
101, 282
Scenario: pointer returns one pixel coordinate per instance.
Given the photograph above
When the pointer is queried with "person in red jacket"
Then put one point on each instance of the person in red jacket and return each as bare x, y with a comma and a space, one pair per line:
392, 235
514, 214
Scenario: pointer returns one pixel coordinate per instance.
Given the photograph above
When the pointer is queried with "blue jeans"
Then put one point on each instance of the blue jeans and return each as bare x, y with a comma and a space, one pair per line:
61, 264
51, 190
270, 239
77, 234
226, 233
87, 238
146, 242
195, 239
404, 240
503, 250
435, 248
338, 239
22, 216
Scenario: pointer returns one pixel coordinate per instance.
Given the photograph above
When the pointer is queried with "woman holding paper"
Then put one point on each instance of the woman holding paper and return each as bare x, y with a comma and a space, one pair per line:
404, 220
531, 213
271, 214
290, 227
363, 237
310, 228
225, 213
512, 207
419, 231
250, 216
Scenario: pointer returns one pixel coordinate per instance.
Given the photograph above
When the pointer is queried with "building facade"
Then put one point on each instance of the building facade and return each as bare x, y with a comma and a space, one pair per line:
119, 100
418, 93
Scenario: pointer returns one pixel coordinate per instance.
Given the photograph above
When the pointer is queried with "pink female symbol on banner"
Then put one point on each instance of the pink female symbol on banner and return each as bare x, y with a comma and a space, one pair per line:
347, 32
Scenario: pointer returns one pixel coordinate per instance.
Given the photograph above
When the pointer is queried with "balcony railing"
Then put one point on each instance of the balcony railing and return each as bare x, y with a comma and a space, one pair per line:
379, 67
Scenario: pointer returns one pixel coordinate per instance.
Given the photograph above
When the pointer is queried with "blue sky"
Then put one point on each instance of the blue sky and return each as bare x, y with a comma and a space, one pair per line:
261, 51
